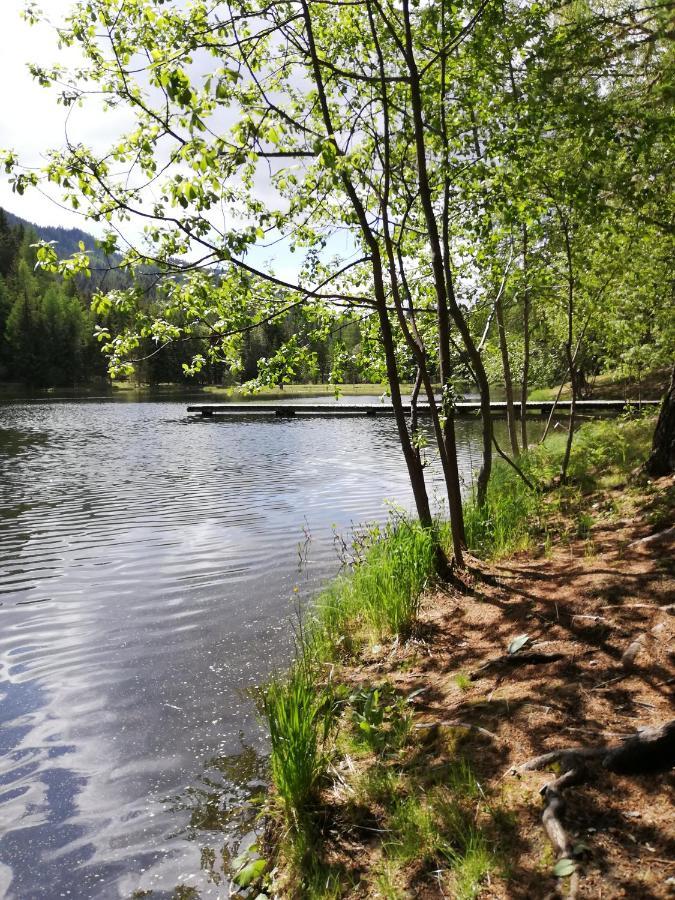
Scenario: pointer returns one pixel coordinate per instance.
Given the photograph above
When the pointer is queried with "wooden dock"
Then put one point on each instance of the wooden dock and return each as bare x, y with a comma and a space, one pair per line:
467, 408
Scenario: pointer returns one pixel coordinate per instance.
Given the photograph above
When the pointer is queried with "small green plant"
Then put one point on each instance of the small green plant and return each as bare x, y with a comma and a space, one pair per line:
387, 586
379, 784
380, 717
413, 834
386, 882
463, 681
470, 868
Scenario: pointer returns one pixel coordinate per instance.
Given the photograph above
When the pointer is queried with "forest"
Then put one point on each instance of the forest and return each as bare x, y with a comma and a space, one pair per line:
47, 326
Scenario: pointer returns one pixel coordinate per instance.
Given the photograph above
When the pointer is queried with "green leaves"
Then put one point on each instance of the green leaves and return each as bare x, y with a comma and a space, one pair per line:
239, 138
250, 873
564, 868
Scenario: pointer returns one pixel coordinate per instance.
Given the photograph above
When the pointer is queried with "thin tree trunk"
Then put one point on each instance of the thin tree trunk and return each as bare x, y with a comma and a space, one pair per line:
439, 265
569, 354
553, 409
452, 474
446, 373
508, 382
524, 387
413, 401
413, 463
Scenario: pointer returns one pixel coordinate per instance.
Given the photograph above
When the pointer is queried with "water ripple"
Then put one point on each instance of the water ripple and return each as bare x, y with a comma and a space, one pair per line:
147, 574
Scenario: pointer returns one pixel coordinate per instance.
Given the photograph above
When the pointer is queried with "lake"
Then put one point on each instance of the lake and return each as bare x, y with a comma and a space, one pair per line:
151, 567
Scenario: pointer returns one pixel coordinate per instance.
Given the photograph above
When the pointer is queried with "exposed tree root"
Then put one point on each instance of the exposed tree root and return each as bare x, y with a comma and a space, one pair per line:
453, 724
650, 750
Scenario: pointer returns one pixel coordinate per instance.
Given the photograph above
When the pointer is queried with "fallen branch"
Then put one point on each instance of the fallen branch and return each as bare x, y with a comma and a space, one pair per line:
595, 619
653, 538
517, 469
653, 606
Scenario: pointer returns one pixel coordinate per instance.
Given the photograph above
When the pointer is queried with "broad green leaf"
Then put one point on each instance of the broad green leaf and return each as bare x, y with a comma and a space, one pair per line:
250, 873
518, 643
564, 868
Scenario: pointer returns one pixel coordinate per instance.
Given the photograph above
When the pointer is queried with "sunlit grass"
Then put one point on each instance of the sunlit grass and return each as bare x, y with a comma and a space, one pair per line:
603, 453
299, 715
380, 597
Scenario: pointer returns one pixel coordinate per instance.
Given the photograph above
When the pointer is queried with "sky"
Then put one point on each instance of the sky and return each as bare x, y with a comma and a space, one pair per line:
32, 123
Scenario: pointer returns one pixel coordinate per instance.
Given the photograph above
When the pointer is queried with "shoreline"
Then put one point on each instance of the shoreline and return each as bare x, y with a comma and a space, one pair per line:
607, 386
392, 734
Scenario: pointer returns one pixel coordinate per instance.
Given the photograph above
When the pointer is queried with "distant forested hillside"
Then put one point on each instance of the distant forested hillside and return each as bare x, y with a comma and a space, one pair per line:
67, 239
47, 325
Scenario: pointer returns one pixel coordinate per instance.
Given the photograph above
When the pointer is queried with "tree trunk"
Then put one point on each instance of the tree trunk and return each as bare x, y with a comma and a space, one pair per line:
662, 458
508, 381
569, 353
413, 463
524, 388
437, 264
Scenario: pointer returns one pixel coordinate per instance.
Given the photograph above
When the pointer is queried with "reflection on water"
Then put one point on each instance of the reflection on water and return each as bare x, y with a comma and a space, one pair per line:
147, 566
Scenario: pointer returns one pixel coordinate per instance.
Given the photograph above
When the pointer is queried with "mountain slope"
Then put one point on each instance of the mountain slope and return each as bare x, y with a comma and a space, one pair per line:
67, 239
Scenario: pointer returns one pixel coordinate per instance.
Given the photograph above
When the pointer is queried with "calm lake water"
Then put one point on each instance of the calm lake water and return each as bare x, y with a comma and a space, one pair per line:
148, 572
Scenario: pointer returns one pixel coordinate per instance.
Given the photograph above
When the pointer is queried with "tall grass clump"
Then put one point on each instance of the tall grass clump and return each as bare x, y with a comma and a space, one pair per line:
387, 585
300, 714
502, 524
381, 593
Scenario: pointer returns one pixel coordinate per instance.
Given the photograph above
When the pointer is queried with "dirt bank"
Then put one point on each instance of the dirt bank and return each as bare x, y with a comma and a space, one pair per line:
597, 665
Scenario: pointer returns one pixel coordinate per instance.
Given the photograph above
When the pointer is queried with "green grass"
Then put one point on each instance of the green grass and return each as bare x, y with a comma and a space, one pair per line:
380, 597
291, 391
463, 681
438, 827
300, 715
603, 453
548, 393
613, 385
